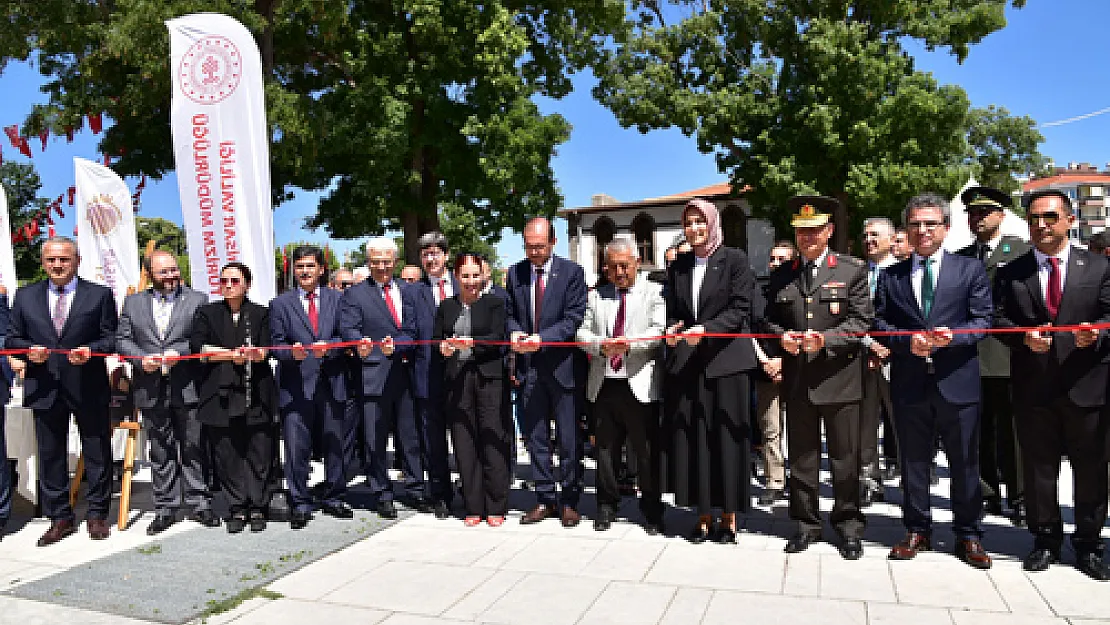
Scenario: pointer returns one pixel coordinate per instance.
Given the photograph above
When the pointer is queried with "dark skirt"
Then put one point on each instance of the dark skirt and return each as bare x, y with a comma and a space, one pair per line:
705, 441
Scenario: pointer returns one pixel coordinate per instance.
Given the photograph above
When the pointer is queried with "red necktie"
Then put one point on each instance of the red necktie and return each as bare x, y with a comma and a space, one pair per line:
617, 361
1055, 291
389, 304
442, 291
539, 300
313, 314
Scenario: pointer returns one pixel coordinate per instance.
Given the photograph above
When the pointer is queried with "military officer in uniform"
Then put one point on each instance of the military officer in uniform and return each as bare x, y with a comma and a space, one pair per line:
999, 455
819, 305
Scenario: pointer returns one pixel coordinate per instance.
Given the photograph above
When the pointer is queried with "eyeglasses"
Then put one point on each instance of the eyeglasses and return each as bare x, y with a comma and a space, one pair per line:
230, 281
1050, 218
346, 285
167, 272
924, 225
410, 280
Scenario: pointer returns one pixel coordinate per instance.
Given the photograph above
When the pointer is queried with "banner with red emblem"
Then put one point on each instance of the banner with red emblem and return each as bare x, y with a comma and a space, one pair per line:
106, 238
221, 150
7, 256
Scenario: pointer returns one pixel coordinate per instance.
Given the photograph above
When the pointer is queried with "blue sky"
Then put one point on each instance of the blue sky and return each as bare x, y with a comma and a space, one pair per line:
1047, 63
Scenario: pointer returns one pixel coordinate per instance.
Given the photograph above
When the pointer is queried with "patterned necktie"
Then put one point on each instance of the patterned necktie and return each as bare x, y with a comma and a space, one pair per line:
60, 311
389, 304
1055, 290
442, 291
313, 314
162, 315
926, 285
539, 300
873, 278
617, 361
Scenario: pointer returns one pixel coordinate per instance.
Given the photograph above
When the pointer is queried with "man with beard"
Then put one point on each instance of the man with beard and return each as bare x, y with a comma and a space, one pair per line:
155, 326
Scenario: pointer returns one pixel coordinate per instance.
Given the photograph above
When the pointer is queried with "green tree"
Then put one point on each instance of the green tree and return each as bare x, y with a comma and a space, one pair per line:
1002, 146
816, 96
22, 184
165, 235
393, 108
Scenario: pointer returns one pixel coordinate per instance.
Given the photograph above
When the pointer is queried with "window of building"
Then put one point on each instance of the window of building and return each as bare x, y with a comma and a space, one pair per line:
604, 230
643, 229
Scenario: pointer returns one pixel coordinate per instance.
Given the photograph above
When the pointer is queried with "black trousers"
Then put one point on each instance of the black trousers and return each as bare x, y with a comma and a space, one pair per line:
803, 438
874, 410
999, 455
621, 417
179, 458
52, 436
321, 416
1047, 433
243, 455
482, 433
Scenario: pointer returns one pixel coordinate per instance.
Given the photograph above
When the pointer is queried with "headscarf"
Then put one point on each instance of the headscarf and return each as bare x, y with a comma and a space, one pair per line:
713, 224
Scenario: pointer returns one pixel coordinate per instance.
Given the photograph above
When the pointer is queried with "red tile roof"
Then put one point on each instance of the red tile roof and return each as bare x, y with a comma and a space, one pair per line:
1067, 178
714, 190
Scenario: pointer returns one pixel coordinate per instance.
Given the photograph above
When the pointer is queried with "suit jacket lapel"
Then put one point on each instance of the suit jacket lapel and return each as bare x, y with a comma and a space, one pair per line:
1033, 284
74, 306
906, 283
1077, 271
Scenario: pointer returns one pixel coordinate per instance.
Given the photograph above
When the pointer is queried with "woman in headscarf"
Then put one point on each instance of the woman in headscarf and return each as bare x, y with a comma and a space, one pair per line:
237, 396
706, 425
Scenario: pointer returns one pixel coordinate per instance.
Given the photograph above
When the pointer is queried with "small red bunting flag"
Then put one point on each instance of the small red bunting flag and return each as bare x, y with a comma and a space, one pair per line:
69, 134
25, 147
71, 191
43, 136
96, 123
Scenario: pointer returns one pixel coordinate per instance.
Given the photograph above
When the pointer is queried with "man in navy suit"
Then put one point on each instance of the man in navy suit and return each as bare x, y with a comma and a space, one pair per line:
380, 313
67, 313
945, 301
547, 301
437, 285
311, 385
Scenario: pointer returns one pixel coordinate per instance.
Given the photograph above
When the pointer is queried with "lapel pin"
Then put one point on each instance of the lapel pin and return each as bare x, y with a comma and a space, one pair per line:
1005, 248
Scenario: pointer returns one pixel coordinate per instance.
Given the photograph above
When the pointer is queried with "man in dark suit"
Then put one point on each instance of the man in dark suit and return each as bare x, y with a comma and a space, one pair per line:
876, 408
311, 385
818, 303
155, 326
79, 318
1059, 379
5, 396
945, 301
437, 285
547, 301
999, 457
380, 313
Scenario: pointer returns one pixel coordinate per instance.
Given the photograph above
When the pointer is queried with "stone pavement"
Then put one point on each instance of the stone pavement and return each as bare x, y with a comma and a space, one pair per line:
428, 572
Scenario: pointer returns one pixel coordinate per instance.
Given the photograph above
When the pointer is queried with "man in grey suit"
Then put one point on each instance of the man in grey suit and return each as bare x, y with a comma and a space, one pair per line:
155, 326
625, 379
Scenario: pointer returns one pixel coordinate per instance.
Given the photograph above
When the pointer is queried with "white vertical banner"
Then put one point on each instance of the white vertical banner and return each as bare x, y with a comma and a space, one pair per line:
222, 150
7, 256
106, 238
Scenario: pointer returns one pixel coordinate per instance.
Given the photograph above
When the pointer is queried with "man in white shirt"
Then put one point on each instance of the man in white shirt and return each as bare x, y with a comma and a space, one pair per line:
878, 237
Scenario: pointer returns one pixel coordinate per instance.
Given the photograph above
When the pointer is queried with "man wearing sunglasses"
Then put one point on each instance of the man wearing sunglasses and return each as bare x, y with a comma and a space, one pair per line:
999, 458
1059, 379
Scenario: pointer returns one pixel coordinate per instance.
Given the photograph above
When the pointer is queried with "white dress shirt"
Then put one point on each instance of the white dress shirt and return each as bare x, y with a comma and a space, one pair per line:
1044, 268
395, 295
919, 268
52, 297
532, 293
696, 278
447, 288
303, 295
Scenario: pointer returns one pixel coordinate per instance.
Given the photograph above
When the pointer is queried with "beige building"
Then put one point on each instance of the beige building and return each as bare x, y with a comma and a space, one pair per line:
654, 225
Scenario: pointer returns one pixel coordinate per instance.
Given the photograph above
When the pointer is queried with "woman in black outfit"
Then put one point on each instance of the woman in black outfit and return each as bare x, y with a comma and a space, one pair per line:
706, 427
237, 396
480, 431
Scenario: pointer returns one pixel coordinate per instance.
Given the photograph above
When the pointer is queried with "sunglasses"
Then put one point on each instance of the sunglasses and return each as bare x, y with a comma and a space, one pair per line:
1050, 218
231, 281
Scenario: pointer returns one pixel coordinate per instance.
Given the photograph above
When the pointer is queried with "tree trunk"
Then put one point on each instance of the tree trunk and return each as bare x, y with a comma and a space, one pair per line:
265, 8
842, 218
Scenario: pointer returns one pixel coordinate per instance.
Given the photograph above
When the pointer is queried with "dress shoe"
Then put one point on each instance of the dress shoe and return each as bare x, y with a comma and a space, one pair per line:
769, 496
890, 473
236, 524
58, 530
800, 542
654, 528
387, 509
604, 519
258, 521
724, 535
442, 510
913, 543
851, 549
1091, 564
1040, 559
699, 534
569, 517
971, 552
161, 523
298, 519
539, 513
98, 528
1017, 514
992, 505
337, 509
205, 517
422, 505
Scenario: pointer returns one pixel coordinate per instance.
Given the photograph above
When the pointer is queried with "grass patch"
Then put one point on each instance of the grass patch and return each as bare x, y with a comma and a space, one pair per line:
225, 605
151, 549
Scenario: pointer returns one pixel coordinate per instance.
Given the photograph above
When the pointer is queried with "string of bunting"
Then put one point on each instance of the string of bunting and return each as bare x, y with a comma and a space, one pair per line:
29, 231
709, 335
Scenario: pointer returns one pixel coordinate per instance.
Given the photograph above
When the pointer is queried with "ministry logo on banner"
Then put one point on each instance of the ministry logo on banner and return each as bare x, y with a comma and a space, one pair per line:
106, 238
210, 71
